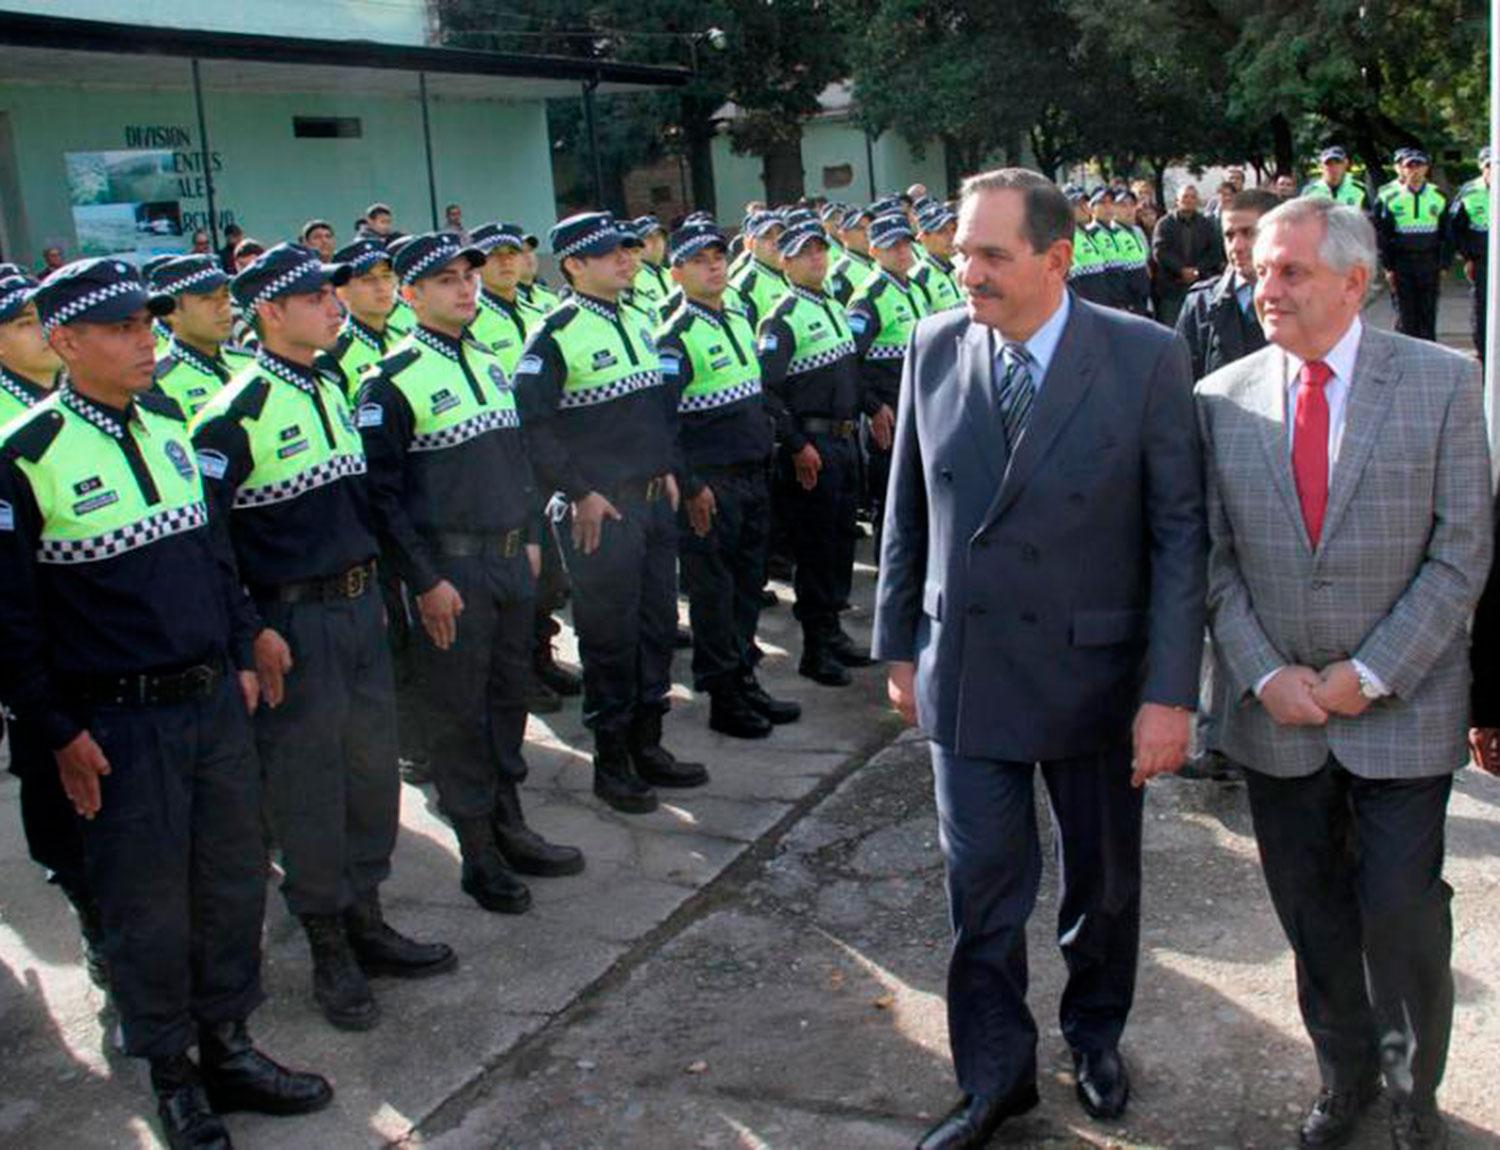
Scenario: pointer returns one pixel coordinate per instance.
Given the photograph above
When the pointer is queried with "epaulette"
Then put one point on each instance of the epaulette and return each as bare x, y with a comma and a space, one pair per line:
560, 316
31, 440
250, 400
344, 342
392, 365
164, 367
782, 307
159, 404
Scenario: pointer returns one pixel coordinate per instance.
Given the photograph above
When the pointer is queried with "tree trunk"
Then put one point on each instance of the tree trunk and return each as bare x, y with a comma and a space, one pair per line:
784, 176
1281, 145
1159, 171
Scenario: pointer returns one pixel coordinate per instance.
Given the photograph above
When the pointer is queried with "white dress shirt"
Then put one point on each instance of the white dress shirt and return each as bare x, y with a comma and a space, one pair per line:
1041, 346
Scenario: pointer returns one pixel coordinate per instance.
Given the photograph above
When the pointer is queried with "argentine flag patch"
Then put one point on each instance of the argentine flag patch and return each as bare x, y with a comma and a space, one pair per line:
213, 464
371, 415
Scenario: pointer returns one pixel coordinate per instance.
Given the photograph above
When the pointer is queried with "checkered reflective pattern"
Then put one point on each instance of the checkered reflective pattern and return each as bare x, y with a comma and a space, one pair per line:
598, 307
887, 351
609, 230
468, 429
15, 389
111, 427
331, 470
589, 396
833, 354
719, 398
428, 340
285, 280
273, 366
90, 300
13, 297
174, 287
173, 521
442, 254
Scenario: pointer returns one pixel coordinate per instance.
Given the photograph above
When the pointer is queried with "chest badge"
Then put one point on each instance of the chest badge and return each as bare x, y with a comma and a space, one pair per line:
177, 456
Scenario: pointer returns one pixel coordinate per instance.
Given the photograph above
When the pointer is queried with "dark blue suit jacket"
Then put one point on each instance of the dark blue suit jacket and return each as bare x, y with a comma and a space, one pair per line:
1044, 596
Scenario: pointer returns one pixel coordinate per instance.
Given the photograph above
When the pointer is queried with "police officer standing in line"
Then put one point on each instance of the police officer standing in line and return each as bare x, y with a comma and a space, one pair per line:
708, 355
503, 323
602, 429
1088, 275
810, 365
936, 279
1101, 232
282, 459
455, 510
1133, 252
651, 285
28, 373
1336, 183
855, 265
197, 360
760, 283
1412, 226
1470, 229
368, 296
161, 326
531, 288
1396, 182
881, 317
122, 627
829, 216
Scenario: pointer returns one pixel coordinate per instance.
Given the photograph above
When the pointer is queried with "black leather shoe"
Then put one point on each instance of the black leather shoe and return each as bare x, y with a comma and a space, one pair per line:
973, 1122
554, 676
615, 779
821, 666
523, 849
485, 878
1102, 1086
768, 599
682, 640
1335, 1114
778, 711
730, 713
542, 699
236, 1076
846, 652
416, 771
380, 949
339, 986
655, 764
1417, 1127
187, 1120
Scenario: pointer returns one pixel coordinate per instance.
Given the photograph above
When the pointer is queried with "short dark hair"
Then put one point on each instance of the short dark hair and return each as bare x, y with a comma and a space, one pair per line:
233, 230
1227, 184
1048, 214
450, 207
1256, 200
378, 210
313, 225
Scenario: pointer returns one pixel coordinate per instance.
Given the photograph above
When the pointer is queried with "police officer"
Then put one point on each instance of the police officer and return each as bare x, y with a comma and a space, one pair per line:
1397, 181
532, 288
1133, 250
602, 430
1101, 232
368, 296
810, 369
455, 510
708, 354
119, 623
829, 216
936, 279
651, 285
28, 374
401, 320
502, 324
855, 265
161, 326
760, 283
1336, 183
198, 360
1470, 229
1087, 276
882, 315
1412, 226
282, 459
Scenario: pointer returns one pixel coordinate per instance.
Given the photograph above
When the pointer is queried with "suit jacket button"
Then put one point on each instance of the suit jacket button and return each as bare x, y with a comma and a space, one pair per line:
1030, 553
1028, 616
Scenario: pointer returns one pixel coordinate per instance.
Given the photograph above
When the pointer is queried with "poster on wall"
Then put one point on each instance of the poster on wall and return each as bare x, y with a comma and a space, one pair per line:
125, 203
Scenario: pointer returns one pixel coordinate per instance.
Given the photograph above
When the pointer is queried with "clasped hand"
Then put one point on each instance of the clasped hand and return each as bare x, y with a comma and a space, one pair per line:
1298, 696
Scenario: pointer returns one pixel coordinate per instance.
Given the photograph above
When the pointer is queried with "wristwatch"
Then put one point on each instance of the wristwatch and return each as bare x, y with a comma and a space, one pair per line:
1367, 686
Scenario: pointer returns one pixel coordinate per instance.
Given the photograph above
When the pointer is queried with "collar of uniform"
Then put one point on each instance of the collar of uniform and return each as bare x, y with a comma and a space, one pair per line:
943, 263
110, 420
366, 334
902, 286
859, 258
707, 314
598, 306
302, 378
765, 268
444, 345
23, 389
499, 302
810, 296
214, 365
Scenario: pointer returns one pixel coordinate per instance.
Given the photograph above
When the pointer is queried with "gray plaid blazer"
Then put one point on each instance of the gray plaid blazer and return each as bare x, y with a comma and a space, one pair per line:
1403, 557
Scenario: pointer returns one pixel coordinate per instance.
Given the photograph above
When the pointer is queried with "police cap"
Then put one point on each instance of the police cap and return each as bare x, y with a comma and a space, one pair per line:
103, 290
191, 275
794, 239
588, 234
361, 255
286, 269
1334, 154
690, 239
429, 253
15, 293
488, 237
889, 230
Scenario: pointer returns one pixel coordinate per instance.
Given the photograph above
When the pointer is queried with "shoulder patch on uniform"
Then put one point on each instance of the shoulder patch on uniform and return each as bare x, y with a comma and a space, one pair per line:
529, 365
671, 363
7, 516
858, 322
768, 342
213, 464
370, 415
159, 404
31, 440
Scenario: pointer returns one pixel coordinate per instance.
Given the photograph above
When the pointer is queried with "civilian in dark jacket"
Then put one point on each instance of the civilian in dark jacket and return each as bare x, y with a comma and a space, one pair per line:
1187, 249
1218, 318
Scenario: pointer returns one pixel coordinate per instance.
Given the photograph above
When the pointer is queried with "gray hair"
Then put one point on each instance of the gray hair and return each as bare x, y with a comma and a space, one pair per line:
1348, 235
1048, 215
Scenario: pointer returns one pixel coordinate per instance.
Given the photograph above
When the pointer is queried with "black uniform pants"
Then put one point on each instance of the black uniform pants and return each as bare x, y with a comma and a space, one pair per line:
1355, 871
821, 523
1479, 306
53, 837
329, 753
625, 611
474, 693
988, 835
411, 728
1418, 285
723, 573
551, 593
878, 477
178, 867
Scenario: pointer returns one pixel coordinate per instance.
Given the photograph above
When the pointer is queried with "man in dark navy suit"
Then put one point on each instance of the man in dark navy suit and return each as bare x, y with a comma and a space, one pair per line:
1041, 604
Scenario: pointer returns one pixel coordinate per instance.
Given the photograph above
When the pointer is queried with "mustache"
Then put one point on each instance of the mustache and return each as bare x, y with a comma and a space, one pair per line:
983, 291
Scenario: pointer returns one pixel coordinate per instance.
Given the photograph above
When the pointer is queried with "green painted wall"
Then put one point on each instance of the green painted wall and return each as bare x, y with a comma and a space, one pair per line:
492, 157
386, 21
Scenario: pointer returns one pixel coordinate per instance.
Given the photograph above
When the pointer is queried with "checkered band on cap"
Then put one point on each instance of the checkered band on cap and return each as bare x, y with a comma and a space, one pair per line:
806, 363
607, 229
78, 308
13, 294
472, 428
590, 396
279, 285
331, 470
187, 282
368, 258
447, 250
724, 398
133, 536
687, 248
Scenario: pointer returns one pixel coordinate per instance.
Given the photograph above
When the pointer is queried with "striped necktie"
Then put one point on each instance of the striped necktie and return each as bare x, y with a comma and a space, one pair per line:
1017, 392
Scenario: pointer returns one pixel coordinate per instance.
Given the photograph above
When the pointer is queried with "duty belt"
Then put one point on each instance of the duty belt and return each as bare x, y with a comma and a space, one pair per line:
464, 544
819, 425
188, 685
647, 490
350, 584
753, 469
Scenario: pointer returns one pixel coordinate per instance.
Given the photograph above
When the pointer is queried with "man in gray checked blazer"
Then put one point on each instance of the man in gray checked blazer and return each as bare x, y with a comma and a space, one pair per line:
1349, 501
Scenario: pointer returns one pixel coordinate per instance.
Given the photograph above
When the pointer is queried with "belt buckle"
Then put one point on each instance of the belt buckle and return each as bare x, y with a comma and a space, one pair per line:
511, 543
654, 488
356, 579
201, 679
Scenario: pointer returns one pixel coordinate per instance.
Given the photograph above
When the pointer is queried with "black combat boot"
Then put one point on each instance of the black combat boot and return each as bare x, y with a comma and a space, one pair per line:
653, 762
553, 675
486, 878
819, 663
381, 949
615, 779
236, 1076
186, 1117
779, 711
339, 985
524, 849
91, 931
730, 713
846, 652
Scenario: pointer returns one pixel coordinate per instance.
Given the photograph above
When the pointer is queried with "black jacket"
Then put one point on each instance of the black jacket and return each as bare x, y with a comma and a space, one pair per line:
1185, 242
1216, 328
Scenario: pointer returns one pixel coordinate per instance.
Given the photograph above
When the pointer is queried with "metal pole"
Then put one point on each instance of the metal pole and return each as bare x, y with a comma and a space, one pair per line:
870, 161
594, 162
1492, 303
205, 157
427, 146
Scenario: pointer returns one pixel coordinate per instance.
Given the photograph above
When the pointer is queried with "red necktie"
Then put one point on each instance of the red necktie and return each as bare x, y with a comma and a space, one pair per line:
1310, 445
